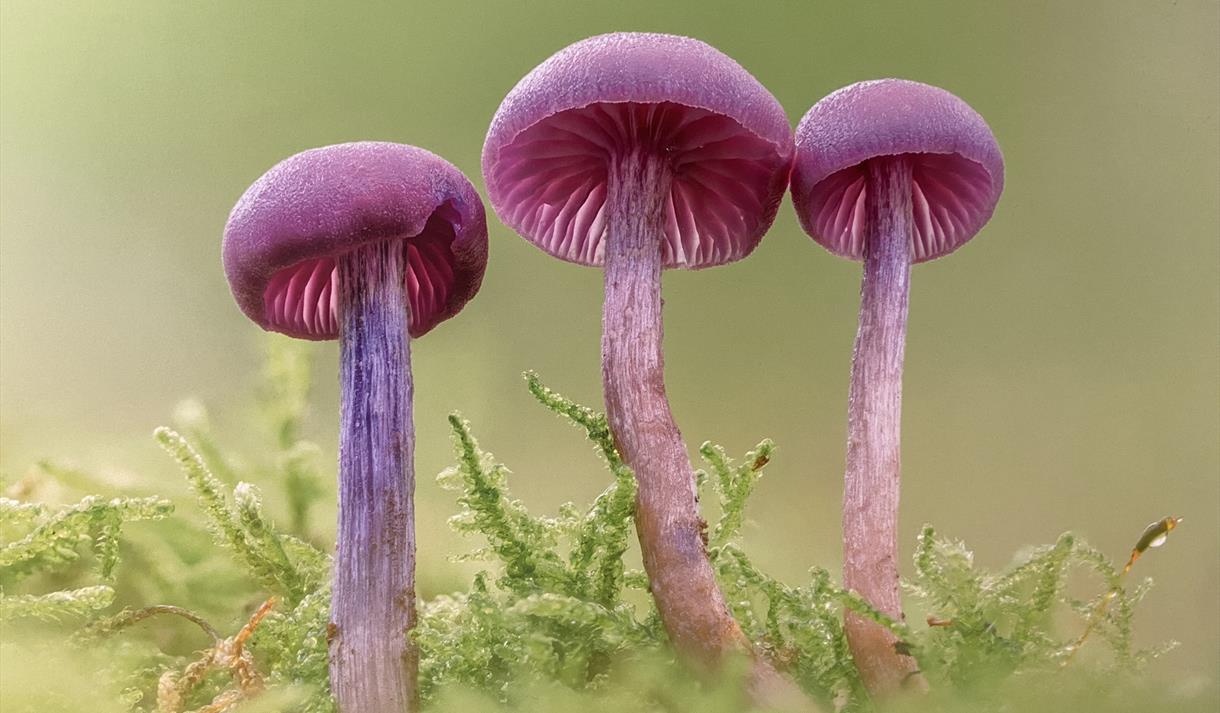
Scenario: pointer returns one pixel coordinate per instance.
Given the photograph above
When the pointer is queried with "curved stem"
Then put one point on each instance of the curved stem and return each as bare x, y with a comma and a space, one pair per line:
870, 497
672, 535
372, 662
126, 619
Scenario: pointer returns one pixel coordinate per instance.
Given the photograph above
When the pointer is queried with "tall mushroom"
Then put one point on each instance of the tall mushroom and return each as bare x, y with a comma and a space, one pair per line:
638, 152
373, 244
891, 172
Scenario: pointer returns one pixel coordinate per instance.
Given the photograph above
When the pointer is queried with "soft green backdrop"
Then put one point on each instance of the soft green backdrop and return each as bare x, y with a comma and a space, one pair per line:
1063, 369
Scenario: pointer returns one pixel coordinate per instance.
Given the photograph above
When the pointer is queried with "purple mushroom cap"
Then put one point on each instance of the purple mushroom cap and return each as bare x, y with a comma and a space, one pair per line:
727, 139
957, 172
285, 233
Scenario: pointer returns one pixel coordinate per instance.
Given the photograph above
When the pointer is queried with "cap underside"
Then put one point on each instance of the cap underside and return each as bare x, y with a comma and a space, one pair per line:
949, 193
556, 177
302, 300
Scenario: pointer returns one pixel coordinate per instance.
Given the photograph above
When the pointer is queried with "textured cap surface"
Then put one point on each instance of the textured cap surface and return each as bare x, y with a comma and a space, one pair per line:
725, 136
284, 234
958, 170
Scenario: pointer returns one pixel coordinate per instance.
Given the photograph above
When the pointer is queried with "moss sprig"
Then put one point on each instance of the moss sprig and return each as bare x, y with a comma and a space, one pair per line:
239, 528
55, 606
55, 538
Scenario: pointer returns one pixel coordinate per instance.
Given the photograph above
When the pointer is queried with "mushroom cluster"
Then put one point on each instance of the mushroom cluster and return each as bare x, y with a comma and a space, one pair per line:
635, 153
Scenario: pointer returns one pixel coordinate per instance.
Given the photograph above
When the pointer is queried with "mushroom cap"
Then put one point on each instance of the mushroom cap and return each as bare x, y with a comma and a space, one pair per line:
727, 140
957, 167
285, 233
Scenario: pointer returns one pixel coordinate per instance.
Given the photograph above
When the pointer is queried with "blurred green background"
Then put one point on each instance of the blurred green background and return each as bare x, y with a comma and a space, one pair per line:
1063, 370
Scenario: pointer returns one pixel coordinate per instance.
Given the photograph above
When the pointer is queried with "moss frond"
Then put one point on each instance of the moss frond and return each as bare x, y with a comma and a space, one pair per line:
54, 540
524, 544
56, 605
240, 527
734, 485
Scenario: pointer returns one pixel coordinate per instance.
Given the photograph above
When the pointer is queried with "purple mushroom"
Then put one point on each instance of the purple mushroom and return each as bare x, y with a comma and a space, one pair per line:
638, 152
373, 244
890, 172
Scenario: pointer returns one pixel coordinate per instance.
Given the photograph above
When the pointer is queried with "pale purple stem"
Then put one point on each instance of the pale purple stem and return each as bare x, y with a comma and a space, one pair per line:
671, 533
372, 661
870, 497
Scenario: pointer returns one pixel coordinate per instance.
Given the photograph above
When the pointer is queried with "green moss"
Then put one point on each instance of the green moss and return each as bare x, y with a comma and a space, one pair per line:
557, 620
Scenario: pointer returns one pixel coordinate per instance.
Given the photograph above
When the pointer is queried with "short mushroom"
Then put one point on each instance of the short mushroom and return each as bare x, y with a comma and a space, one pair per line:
637, 152
372, 244
890, 172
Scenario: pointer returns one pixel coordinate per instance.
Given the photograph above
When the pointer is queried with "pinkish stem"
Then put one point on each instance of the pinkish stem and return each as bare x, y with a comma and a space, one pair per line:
671, 533
372, 662
870, 497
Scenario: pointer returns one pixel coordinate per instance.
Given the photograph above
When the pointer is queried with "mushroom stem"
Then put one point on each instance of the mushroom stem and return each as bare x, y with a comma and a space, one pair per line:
372, 662
672, 535
870, 497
